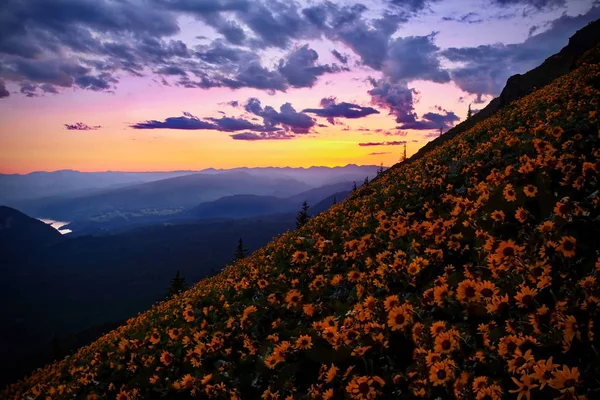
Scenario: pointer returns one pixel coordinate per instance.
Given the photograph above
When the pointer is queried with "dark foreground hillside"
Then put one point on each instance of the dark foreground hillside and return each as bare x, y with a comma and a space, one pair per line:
470, 273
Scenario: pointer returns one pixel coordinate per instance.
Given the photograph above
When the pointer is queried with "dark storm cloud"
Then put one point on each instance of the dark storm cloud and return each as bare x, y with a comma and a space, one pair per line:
340, 57
251, 136
28, 89
80, 126
301, 68
229, 124
413, 5
414, 57
538, 4
468, 18
487, 67
332, 110
186, 122
433, 120
3, 91
276, 23
369, 144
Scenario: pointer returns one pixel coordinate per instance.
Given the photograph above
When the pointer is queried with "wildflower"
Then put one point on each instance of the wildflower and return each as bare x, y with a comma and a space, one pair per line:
561, 209
188, 315
446, 342
331, 374
166, 358
509, 193
524, 387
544, 371
525, 297
508, 249
304, 342
391, 302
441, 373
530, 190
521, 215
498, 216
467, 291
123, 395
300, 257
293, 298
365, 387
155, 338
567, 246
399, 317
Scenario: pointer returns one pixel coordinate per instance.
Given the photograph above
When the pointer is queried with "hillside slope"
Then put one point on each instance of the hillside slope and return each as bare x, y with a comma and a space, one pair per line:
20, 234
468, 273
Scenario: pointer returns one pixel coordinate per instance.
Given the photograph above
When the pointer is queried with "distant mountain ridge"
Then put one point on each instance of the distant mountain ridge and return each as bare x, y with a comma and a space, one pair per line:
245, 206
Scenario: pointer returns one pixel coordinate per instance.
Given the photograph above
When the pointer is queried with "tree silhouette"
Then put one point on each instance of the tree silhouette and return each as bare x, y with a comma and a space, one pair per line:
177, 285
354, 187
240, 251
334, 200
469, 112
366, 181
380, 170
302, 217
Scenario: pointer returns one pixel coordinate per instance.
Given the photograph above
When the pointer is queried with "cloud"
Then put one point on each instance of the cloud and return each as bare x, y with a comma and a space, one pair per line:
394, 133
414, 57
28, 89
369, 144
396, 97
186, 122
80, 126
431, 120
537, 4
287, 117
332, 110
287, 120
251, 136
468, 18
486, 68
3, 91
229, 124
301, 69
340, 57
379, 153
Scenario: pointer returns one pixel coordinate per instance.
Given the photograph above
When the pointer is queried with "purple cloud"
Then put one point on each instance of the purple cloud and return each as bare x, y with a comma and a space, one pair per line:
369, 144
80, 126
251, 136
332, 110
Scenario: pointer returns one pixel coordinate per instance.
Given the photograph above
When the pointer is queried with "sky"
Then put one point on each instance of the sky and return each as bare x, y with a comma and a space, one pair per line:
158, 85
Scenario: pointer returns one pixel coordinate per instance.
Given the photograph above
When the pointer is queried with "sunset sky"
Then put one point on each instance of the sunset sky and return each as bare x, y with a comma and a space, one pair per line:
161, 85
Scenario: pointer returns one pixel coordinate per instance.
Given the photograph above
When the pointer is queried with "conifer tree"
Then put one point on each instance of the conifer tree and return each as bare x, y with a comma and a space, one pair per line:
469, 112
302, 217
366, 181
177, 285
380, 170
334, 200
240, 251
354, 187
404, 155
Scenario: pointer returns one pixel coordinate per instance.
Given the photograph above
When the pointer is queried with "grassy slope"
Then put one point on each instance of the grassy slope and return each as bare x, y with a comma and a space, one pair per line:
442, 278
